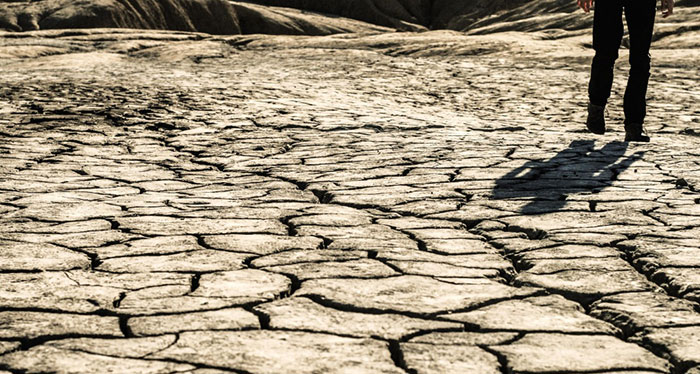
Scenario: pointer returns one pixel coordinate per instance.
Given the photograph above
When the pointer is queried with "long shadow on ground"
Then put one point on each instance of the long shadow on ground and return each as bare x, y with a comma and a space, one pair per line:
578, 168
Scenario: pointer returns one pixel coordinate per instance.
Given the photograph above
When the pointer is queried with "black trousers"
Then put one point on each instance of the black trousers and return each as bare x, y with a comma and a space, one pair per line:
607, 36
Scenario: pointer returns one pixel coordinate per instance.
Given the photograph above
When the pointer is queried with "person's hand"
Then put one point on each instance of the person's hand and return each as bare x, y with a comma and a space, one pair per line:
666, 7
586, 4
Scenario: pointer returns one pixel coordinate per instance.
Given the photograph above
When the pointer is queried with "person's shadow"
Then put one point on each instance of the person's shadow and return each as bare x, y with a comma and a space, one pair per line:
578, 168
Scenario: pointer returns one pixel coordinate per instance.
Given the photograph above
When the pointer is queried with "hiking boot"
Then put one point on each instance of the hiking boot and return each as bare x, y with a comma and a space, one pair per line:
634, 132
596, 119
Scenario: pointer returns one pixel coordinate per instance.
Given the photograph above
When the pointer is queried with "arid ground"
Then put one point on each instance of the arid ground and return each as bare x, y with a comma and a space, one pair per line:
176, 202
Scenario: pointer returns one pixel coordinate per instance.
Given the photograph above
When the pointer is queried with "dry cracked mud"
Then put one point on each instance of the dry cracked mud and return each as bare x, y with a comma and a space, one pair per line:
423, 203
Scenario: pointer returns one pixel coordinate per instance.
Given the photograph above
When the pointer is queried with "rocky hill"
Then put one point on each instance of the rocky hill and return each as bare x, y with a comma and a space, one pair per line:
310, 17
307, 17
406, 14
210, 16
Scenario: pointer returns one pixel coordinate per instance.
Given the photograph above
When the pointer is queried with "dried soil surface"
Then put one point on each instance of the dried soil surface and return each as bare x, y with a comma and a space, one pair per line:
397, 203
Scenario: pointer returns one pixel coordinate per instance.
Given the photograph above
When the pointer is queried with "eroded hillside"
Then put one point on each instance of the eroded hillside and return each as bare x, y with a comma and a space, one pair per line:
311, 17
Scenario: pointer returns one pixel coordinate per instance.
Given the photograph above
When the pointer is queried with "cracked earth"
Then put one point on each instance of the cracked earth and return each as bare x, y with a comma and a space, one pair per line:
267, 205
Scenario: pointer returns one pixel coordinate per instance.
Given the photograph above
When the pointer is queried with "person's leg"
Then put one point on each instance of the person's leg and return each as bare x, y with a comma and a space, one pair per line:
607, 36
640, 16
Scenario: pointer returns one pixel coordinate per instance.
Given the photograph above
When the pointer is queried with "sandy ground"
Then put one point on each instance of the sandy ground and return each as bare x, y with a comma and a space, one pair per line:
396, 203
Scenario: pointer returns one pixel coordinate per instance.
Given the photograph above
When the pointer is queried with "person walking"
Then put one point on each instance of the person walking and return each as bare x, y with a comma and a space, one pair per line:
607, 37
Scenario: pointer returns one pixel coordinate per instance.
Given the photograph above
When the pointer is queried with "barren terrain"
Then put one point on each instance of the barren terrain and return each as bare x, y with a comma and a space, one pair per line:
175, 202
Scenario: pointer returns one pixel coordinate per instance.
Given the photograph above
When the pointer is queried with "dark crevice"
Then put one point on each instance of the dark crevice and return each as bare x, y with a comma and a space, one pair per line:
366, 207
468, 196
98, 312
357, 277
508, 277
502, 360
114, 225
323, 197
95, 260
559, 271
321, 300
263, 318
666, 282
148, 254
516, 338
434, 316
303, 261
647, 213
420, 244
537, 293
294, 284
592, 205
117, 302
28, 343
532, 233
683, 183
452, 176
124, 326
25, 271
194, 282
267, 174
248, 262
397, 357
291, 229
413, 335
203, 243
390, 265
319, 332
174, 343
327, 242
12, 370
